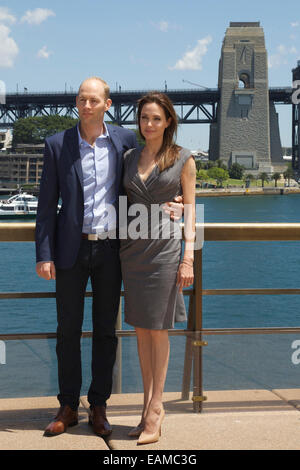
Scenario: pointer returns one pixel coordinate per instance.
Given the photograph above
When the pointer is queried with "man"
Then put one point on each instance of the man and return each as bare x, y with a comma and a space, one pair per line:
83, 166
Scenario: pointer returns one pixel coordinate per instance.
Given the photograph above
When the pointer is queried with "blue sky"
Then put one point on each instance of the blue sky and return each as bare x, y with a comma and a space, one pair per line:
138, 44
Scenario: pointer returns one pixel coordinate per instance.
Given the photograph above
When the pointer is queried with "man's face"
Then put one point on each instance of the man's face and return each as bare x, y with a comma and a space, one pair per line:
91, 102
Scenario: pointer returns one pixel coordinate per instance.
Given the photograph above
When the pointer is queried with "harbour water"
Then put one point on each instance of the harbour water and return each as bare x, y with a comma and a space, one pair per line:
229, 362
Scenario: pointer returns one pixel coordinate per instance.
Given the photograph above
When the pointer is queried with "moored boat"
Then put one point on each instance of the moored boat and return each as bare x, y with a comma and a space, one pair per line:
21, 205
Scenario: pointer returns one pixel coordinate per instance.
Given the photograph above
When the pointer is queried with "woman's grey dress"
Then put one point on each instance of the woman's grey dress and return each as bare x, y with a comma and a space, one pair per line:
150, 263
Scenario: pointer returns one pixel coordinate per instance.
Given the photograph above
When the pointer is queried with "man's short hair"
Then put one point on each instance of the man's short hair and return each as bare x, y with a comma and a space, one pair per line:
105, 85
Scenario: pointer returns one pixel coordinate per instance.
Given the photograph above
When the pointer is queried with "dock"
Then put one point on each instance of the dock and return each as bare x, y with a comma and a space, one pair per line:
255, 191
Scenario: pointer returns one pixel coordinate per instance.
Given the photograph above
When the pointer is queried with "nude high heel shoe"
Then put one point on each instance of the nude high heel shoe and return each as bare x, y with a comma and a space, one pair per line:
146, 438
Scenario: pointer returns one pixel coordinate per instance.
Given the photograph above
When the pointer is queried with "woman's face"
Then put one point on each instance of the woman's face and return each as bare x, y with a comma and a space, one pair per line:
153, 122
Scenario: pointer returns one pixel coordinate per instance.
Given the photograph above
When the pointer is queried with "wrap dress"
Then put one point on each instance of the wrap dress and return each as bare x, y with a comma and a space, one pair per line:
151, 245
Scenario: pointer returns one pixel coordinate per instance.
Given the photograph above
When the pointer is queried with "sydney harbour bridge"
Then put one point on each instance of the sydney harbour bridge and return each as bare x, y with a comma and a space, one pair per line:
193, 106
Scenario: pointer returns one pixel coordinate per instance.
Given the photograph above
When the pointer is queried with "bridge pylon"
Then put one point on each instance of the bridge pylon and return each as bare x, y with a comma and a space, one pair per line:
296, 120
247, 130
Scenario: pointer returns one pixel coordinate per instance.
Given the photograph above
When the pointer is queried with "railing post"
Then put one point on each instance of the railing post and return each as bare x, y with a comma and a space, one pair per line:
188, 357
194, 343
198, 397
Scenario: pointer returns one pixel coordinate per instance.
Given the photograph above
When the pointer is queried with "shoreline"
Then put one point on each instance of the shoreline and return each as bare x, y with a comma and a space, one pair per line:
246, 191
214, 191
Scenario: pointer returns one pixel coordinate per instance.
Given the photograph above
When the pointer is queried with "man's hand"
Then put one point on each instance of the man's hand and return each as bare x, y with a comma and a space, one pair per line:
175, 209
46, 270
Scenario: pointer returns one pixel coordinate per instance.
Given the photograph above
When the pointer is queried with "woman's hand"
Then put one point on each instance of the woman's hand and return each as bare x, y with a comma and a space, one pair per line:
185, 275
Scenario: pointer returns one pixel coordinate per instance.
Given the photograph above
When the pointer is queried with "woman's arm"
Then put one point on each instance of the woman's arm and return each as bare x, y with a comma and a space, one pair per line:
185, 275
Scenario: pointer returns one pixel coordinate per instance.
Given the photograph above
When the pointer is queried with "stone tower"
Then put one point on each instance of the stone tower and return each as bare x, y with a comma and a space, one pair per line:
247, 130
296, 118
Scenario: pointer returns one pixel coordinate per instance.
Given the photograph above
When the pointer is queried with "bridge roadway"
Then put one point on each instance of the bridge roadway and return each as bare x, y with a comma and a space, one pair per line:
192, 103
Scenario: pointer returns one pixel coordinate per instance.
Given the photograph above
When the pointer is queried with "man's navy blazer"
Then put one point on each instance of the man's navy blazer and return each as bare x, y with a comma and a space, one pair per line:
58, 235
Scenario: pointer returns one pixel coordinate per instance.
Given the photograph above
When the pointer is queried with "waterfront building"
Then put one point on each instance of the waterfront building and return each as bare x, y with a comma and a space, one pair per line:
21, 167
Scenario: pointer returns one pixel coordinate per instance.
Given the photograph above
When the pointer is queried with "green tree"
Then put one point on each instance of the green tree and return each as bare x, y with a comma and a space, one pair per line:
210, 164
200, 165
218, 174
289, 173
236, 171
248, 177
220, 164
34, 130
202, 175
276, 176
263, 177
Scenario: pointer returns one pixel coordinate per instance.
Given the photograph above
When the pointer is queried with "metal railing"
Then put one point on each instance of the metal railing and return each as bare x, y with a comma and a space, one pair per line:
16, 232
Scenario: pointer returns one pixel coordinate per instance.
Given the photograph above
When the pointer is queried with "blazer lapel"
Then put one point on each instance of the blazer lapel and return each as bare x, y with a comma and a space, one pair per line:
73, 145
113, 133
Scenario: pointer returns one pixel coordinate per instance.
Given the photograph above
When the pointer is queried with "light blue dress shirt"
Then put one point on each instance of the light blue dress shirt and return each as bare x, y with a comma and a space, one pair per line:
99, 165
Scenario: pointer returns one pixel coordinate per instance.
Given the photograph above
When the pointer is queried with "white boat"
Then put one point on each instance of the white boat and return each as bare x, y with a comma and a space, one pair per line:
22, 205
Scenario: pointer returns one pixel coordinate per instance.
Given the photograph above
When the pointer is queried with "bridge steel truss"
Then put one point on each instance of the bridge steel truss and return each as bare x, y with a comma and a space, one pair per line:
25, 105
192, 107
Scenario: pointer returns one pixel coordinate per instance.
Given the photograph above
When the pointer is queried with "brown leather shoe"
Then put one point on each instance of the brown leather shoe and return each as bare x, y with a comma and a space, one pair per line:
65, 418
98, 420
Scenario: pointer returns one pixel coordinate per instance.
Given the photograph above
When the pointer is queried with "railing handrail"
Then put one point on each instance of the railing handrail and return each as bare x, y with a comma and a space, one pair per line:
220, 231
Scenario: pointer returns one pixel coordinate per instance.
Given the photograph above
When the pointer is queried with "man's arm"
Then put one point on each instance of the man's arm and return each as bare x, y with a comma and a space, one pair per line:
46, 216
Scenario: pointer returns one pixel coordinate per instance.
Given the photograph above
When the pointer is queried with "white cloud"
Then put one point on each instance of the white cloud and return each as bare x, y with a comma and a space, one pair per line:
6, 16
276, 60
192, 60
165, 26
282, 50
280, 57
8, 47
295, 24
43, 53
36, 16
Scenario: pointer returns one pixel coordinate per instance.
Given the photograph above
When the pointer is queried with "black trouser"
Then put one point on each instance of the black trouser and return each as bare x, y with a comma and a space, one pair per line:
100, 261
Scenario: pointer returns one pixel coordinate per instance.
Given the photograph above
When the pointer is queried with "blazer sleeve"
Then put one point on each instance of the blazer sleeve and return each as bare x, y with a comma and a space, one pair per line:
47, 208
134, 141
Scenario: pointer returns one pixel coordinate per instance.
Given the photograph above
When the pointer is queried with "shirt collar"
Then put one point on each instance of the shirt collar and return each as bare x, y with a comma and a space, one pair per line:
104, 135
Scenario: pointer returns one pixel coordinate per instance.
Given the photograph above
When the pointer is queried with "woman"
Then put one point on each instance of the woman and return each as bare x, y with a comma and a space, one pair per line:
153, 271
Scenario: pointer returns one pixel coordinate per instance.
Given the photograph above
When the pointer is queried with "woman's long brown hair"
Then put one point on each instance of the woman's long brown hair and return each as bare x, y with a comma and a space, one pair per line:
169, 151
